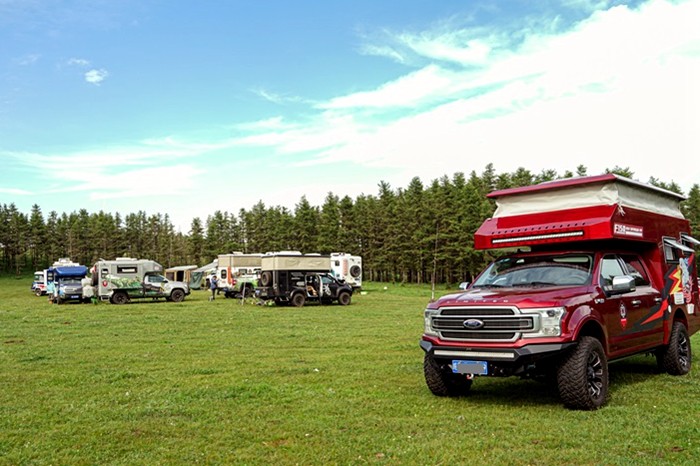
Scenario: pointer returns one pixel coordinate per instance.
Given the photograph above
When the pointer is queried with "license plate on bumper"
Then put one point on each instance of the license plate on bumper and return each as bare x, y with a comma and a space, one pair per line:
470, 367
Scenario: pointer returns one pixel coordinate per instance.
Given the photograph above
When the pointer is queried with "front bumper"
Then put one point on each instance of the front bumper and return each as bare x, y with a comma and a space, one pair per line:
501, 361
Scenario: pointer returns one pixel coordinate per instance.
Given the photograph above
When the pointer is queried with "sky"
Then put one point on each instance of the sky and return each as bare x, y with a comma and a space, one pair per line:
185, 108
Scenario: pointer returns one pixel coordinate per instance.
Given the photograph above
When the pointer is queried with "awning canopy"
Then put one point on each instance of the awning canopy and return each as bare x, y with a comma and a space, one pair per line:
675, 244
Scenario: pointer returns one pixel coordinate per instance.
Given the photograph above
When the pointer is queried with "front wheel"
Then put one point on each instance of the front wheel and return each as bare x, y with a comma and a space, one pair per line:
675, 358
344, 298
582, 377
177, 295
442, 381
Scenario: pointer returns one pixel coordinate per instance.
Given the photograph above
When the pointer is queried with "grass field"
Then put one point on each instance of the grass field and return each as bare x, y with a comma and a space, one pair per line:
219, 382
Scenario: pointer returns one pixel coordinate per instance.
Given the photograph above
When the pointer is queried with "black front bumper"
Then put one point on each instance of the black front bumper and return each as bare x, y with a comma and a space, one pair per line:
503, 362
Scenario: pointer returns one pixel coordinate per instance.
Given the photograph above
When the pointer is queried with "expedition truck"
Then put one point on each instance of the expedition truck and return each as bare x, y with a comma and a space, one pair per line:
64, 283
40, 276
290, 277
598, 268
238, 274
121, 280
347, 268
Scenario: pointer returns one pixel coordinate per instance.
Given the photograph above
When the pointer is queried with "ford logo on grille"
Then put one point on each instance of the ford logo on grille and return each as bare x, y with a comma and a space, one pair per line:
473, 324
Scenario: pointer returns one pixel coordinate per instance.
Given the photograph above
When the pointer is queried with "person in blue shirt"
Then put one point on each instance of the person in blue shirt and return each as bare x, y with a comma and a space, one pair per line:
213, 283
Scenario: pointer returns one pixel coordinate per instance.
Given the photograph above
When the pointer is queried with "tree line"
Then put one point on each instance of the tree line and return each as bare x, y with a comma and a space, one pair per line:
408, 234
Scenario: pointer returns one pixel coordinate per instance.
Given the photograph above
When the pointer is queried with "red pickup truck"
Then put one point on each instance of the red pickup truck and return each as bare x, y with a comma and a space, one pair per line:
594, 269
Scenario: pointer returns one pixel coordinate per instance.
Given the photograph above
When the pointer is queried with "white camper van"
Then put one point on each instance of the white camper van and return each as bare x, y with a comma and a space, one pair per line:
348, 268
126, 278
238, 273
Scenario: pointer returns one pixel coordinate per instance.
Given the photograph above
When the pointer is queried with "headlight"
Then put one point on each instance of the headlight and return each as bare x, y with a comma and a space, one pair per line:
547, 322
427, 317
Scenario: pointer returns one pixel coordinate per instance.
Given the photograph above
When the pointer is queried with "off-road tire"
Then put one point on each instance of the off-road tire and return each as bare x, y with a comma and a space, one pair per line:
177, 295
247, 291
441, 381
120, 298
266, 279
676, 358
582, 376
298, 300
355, 271
344, 298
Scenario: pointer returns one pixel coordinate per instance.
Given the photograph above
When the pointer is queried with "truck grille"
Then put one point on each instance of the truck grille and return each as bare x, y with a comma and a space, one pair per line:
482, 324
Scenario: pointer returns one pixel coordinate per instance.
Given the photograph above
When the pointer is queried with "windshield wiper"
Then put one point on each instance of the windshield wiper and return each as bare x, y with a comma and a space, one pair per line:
539, 284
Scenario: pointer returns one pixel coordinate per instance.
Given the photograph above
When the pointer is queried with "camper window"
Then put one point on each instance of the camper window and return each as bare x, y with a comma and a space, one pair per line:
126, 269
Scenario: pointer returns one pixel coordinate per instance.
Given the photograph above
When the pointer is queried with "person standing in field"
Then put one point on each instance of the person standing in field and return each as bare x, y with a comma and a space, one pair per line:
213, 282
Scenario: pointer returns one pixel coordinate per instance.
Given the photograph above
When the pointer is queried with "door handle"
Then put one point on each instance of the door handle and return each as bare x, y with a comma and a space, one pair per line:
636, 302
658, 299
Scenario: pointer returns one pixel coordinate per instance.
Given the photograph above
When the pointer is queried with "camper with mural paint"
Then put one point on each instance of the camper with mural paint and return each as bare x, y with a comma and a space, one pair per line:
121, 280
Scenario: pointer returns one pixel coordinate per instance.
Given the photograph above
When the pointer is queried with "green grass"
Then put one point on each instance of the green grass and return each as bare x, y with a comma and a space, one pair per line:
218, 382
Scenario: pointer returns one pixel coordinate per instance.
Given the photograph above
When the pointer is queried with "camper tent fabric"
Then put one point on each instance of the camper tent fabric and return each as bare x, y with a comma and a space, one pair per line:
197, 275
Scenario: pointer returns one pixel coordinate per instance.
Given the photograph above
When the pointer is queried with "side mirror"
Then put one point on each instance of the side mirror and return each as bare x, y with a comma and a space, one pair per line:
622, 284
464, 285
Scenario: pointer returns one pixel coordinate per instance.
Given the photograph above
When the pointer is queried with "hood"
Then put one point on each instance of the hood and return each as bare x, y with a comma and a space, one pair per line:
539, 296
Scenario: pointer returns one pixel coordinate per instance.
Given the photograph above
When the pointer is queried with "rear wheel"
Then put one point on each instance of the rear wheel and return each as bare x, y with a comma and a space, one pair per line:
120, 297
177, 295
441, 381
298, 300
582, 377
676, 357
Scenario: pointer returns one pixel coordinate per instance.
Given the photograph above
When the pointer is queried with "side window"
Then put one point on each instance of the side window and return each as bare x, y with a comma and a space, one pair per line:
636, 269
609, 268
223, 274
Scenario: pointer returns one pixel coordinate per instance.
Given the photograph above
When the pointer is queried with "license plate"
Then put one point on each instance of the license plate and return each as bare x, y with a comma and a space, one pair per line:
74, 296
470, 367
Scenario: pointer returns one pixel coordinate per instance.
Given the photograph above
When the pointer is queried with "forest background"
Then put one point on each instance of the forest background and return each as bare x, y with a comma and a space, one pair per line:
403, 235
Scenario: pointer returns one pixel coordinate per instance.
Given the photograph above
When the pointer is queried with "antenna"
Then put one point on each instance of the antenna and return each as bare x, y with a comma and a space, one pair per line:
437, 232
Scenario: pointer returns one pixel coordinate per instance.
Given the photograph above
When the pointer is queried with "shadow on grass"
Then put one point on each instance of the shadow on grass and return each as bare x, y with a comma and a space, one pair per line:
516, 392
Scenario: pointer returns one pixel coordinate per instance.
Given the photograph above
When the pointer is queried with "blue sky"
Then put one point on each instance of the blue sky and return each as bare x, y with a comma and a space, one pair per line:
185, 108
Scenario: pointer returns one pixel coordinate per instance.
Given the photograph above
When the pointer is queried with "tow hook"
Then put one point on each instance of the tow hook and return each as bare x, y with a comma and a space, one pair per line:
469, 376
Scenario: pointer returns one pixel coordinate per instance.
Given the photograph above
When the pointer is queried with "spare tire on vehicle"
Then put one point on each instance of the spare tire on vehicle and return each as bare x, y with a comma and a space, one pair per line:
266, 278
356, 271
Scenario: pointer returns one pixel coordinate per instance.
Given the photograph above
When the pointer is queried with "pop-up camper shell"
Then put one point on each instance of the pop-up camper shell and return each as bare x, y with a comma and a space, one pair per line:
605, 207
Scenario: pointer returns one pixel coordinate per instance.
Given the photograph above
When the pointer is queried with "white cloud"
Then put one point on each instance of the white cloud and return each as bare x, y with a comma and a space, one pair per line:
617, 89
95, 76
78, 62
15, 192
29, 59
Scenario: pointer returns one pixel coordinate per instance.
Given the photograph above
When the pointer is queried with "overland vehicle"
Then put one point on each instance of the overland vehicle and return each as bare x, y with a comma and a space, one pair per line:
126, 278
347, 268
609, 273
290, 277
40, 279
64, 283
39, 284
238, 274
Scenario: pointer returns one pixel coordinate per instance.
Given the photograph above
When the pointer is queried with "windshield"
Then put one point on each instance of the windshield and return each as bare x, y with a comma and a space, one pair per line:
556, 270
70, 281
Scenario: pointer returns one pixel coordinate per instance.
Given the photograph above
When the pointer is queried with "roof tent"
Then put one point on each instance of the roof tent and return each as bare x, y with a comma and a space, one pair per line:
581, 209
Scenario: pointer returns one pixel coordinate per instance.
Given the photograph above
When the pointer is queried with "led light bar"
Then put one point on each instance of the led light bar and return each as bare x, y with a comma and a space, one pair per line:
568, 234
475, 354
